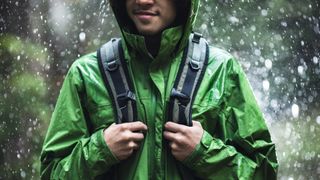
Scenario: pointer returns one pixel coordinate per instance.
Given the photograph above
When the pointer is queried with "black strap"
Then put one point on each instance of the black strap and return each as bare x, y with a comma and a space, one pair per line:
115, 74
191, 72
119, 85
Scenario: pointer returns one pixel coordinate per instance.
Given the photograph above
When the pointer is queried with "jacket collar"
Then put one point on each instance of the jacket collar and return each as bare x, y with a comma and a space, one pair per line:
170, 39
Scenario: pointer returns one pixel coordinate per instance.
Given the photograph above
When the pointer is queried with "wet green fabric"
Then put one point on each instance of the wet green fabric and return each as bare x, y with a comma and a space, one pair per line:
236, 143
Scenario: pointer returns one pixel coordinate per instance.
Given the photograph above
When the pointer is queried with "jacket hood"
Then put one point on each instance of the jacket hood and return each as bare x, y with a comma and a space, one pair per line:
173, 39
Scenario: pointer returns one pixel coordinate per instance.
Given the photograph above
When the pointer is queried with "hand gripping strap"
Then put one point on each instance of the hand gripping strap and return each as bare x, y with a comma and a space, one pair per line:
191, 72
116, 78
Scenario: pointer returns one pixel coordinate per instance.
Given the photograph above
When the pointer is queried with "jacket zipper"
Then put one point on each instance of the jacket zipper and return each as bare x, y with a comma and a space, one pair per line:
153, 135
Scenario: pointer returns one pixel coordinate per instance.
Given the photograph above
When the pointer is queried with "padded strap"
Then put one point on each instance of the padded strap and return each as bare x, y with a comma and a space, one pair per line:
117, 81
189, 77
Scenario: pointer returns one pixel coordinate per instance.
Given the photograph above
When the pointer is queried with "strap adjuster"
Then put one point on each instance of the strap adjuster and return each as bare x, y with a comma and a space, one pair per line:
182, 98
195, 65
112, 65
196, 37
125, 97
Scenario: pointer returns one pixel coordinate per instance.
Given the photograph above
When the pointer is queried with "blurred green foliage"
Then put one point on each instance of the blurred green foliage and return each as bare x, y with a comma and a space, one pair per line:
37, 46
23, 106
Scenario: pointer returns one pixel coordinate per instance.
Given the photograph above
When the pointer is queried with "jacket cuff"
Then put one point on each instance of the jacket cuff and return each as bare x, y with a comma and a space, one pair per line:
105, 153
194, 158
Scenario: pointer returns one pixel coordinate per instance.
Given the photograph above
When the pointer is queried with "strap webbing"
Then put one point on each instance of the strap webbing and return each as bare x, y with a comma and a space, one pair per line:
117, 81
191, 71
120, 88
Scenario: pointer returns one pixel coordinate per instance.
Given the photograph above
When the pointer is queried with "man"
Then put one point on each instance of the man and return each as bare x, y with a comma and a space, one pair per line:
228, 138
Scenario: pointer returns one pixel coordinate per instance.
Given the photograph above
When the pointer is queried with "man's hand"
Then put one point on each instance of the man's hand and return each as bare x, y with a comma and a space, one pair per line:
123, 139
183, 139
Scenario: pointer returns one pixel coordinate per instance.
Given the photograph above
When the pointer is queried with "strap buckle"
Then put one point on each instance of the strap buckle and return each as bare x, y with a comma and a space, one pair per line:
129, 95
196, 37
195, 65
112, 65
182, 98
125, 97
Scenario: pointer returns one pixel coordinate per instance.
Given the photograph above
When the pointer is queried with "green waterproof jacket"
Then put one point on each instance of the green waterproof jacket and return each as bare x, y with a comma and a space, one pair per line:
236, 143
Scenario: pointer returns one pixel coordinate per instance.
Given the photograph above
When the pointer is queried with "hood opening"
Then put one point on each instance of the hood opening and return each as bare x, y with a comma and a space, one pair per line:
172, 40
183, 12
121, 15
125, 23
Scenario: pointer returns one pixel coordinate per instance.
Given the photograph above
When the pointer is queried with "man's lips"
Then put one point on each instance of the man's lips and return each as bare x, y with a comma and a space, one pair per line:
145, 13
144, 16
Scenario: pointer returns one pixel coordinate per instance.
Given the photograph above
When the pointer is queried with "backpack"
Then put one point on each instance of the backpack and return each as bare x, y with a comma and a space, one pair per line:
119, 85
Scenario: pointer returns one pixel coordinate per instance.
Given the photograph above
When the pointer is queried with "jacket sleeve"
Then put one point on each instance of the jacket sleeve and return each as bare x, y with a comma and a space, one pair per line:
70, 150
240, 146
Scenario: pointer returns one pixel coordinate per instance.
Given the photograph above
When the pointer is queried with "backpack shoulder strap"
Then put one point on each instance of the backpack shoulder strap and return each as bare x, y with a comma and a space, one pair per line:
189, 77
114, 71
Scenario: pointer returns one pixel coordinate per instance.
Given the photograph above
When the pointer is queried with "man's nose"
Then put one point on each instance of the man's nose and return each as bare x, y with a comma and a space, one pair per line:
145, 2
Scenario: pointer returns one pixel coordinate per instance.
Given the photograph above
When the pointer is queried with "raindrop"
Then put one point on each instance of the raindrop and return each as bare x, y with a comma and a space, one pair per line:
257, 52
241, 42
318, 120
268, 63
295, 110
253, 28
271, 45
278, 37
233, 20
315, 60
312, 128
264, 12
284, 24
23, 174
35, 31
96, 42
300, 70
82, 36
203, 26
274, 103
266, 85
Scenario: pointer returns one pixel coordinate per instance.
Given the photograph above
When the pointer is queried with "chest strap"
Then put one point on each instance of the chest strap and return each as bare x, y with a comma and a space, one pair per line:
116, 78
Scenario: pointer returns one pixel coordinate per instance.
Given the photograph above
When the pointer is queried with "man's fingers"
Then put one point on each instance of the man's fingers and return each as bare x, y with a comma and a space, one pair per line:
135, 126
196, 123
133, 145
136, 136
174, 127
174, 146
170, 136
